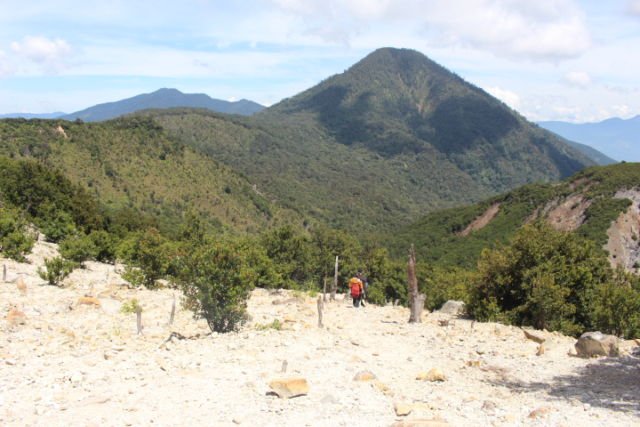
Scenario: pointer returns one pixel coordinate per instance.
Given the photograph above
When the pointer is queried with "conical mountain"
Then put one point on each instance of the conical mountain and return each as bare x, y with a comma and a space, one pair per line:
399, 101
390, 139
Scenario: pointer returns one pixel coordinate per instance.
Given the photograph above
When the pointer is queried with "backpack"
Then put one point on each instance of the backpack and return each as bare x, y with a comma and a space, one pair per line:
356, 287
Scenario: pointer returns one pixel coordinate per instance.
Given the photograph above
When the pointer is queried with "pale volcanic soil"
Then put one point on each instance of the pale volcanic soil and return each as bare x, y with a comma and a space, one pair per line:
70, 364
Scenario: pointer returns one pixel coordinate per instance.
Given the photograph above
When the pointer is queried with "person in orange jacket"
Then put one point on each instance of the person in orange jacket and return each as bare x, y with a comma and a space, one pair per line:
357, 290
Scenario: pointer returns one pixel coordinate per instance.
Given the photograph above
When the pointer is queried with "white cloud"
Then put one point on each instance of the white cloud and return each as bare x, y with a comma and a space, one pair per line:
577, 78
508, 97
544, 30
5, 67
42, 49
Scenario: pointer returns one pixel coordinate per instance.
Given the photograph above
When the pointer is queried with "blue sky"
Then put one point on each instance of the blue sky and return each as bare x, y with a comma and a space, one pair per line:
549, 59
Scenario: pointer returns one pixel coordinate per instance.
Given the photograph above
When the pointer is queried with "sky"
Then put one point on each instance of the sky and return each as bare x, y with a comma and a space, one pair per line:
570, 60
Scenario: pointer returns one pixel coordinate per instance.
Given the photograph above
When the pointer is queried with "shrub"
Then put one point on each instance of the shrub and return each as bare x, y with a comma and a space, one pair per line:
78, 248
15, 240
105, 247
616, 307
542, 278
216, 282
56, 270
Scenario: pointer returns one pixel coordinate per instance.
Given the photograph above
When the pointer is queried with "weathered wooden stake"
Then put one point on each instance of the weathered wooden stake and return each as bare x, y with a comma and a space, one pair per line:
4, 272
173, 310
416, 299
324, 289
334, 288
139, 319
320, 306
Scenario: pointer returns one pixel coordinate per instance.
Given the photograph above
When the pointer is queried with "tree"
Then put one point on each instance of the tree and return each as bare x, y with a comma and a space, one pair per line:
216, 282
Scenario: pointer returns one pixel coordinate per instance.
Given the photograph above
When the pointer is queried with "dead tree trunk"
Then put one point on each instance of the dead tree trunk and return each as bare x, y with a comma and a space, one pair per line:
334, 288
416, 299
4, 272
320, 307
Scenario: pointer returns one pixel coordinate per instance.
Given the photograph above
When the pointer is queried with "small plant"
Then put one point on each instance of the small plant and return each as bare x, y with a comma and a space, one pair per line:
56, 270
133, 275
275, 325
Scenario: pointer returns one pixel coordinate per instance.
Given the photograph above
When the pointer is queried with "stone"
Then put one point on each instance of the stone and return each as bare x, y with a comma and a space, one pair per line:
540, 412
434, 375
535, 336
16, 317
541, 350
489, 406
382, 387
454, 308
364, 376
289, 387
592, 344
420, 422
93, 301
402, 408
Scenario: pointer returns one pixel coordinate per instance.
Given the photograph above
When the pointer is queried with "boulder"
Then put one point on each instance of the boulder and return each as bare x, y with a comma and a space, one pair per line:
402, 408
364, 376
454, 308
289, 387
592, 344
22, 287
434, 375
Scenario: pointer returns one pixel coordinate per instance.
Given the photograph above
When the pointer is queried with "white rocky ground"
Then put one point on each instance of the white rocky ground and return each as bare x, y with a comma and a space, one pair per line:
84, 365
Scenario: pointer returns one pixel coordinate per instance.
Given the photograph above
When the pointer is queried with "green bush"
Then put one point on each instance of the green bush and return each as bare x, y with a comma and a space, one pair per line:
105, 246
542, 278
444, 284
15, 239
134, 276
56, 270
216, 282
617, 306
78, 248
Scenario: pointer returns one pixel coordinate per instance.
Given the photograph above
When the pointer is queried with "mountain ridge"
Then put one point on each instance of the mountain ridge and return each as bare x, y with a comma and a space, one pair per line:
163, 98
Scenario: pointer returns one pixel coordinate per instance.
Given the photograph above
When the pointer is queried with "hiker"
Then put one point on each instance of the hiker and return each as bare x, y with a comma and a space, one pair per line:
357, 290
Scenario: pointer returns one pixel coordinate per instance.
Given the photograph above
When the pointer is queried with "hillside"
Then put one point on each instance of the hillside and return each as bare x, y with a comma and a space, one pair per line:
592, 153
617, 138
163, 98
587, 203
133, 162
74, 363
392, 138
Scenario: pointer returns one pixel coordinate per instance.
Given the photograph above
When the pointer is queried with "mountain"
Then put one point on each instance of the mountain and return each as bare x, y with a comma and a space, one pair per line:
393, 137
592, 153
600, 203
132, 162
31, 115
163, 98
617, 138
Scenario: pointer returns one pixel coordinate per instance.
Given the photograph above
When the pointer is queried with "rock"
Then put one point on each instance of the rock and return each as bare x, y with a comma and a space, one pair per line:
16, 317
541, 350
454, 308
433, 375
489, 406
535, 336
290, 387
592, 344
418, 422
539, 412
364, 376
93, 301
380, 386
402, 409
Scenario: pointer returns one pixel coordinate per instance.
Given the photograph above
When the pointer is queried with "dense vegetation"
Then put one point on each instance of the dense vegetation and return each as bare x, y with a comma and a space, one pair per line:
437, 235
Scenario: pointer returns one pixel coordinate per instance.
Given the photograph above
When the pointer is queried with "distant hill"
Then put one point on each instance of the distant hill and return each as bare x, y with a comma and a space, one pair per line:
392, 138
587, 203
592, 153
617, 138
163, 98
32, 116
132, 162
